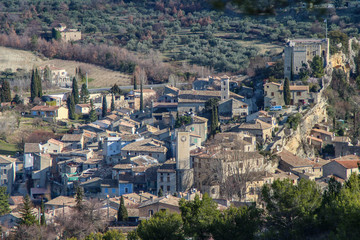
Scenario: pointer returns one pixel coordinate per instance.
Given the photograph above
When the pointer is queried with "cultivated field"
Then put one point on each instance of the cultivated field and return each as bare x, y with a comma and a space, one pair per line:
12, 58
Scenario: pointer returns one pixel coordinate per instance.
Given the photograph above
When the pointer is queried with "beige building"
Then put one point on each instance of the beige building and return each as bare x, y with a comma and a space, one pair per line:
166, 178
301, 51
82, 108
53, 146
7, 172
218, 166
151, 147
198, 126
261, 130
274, 96
51, 113
73, 141
232, 108
152, 206
343, 167
68, 34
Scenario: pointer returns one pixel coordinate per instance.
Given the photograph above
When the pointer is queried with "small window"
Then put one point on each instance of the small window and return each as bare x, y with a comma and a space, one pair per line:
298, 93
151, 212
272, 94
168, 188
168, 179
126, 190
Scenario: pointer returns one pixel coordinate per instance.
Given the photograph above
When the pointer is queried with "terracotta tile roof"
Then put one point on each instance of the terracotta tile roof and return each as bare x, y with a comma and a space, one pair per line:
164, 105
349, 164
315, 139
59, 201
341, 139
172, 88
322, 131
56, 142
45, 108
278, 84
348, 158
122, 166
293, 160
32, 148
112, 117
257, 125
203, 95
197, 119
146, 145
16, 200
297, 88
169, 200
72, 138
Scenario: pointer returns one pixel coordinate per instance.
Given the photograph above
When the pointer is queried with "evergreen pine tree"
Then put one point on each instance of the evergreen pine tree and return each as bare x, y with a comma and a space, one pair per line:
112, 103
79, 195
84, 94
42, 219
104, 107
115, 89
141, 97
55, 34
122, 212
27, 216
33, 86
75, 91
5, 91
4, 201
92, 114
286, 90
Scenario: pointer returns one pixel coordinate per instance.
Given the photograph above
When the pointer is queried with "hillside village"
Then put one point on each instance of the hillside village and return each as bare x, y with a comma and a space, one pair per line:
154, 147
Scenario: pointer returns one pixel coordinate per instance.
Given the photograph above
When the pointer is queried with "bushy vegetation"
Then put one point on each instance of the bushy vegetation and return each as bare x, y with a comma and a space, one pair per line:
291, 211
183, 31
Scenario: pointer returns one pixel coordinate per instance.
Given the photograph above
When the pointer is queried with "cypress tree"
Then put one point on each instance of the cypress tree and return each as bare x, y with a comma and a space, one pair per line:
71, 107
92, 114
27, 216
112, 103
104, 107
4, 201
5, 91
135, 84
42, 219
122, 212
75, 90
33, 86
38, 84
79, 198
286, 90
141, 97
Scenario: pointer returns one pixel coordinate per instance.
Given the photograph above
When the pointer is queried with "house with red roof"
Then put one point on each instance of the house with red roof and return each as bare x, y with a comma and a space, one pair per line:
342, 167
50, 112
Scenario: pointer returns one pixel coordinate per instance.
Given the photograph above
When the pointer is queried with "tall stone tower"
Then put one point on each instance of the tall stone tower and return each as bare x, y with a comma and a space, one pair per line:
225, 89
184, 172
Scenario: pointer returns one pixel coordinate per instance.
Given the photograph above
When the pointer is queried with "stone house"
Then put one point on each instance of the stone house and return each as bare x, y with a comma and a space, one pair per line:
198, 126
82, 108
41, 169
7, 172
194, 100
53, 146
166, 178
68, 34
261, 130
325, 136
149, 208
232, 108
302, 51
151, 147
304, 168
73, 141
273, 95
343, 167
50, 113
29, 150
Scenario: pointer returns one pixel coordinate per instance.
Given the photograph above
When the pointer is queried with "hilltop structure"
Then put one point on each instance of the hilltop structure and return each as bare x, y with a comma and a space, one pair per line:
301, 51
